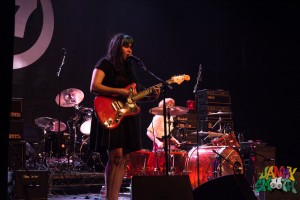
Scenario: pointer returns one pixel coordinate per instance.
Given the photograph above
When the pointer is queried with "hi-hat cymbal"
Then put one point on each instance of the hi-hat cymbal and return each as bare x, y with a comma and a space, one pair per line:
50, 124
210, 134
174, 110
200, 133
69, 97
220, 113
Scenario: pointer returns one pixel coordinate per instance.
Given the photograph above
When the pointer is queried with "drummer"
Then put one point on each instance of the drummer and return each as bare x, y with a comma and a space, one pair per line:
155, 130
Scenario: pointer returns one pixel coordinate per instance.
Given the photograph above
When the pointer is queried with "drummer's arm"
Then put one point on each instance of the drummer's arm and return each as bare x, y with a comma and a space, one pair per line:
174, 141
150, 134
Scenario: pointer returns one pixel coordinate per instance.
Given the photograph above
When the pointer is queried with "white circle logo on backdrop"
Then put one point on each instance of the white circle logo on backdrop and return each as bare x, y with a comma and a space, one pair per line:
26, 7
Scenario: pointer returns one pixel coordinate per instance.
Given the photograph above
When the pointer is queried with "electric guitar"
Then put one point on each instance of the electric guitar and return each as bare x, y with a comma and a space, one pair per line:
111, 111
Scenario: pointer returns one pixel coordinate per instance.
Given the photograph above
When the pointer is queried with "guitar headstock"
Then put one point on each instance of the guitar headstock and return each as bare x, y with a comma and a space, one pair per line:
179, 79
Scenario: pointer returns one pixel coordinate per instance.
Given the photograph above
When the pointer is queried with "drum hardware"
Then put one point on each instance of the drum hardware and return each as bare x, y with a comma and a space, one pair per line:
220, 113
172, 168
209, 134
236, 166
71, 156
218, 122
49, 124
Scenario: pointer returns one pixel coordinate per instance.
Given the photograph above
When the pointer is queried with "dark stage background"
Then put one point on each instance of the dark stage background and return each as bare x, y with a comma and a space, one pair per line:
248, 48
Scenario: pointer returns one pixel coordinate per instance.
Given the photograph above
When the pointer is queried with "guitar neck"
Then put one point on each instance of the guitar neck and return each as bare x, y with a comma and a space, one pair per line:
144, 93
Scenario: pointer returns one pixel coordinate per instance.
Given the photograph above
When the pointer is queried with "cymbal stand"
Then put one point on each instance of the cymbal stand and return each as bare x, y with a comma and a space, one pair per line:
74, 127
220, 124
156, 161
172, 168
43, 156
71, 149
199, 78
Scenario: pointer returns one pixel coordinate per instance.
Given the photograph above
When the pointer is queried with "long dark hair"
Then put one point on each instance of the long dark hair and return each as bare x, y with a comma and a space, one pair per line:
114, 53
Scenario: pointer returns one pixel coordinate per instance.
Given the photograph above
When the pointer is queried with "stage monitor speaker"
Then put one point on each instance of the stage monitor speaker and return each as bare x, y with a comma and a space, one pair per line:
233, 187
161, 188
31, 184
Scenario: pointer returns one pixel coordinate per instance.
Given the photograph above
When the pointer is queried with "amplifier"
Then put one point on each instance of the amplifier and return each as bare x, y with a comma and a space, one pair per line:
205, 110
209, 96
16, 154
16, 108
31, 184
188, 120
16, 129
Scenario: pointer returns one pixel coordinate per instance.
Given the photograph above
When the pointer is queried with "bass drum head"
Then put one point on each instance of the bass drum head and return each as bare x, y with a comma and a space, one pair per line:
214, 161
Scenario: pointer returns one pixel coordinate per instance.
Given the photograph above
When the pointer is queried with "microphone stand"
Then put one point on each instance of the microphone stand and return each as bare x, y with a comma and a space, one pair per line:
59, 95
199, 78
165, 85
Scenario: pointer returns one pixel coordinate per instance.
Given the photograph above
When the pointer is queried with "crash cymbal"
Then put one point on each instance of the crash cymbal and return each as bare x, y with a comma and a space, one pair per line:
174, 110
210, 134
50, 124
69, 97
220, 113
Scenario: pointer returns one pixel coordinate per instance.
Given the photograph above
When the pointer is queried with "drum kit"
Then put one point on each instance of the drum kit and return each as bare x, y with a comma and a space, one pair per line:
201, 162
63, 143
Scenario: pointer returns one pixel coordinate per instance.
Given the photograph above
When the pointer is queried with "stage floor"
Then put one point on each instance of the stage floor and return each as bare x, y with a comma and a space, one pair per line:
93, 196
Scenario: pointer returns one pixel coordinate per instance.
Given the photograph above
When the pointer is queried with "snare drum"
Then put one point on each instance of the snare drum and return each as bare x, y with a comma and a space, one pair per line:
214, 161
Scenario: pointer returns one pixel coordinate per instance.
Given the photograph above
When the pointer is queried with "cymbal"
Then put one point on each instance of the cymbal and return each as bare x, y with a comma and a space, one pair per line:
220, 113
174, 110
200, 133
50, 124
69, 97
210, 134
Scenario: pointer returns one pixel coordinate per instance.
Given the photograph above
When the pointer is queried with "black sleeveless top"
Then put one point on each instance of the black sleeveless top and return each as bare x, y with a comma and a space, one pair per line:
126, 135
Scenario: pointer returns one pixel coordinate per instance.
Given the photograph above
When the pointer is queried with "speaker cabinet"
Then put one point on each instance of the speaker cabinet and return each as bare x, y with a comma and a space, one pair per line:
161, 188
233, 187
31, 185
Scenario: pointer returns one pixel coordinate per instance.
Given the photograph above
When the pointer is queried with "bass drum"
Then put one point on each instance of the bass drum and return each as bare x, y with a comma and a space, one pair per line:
214, 161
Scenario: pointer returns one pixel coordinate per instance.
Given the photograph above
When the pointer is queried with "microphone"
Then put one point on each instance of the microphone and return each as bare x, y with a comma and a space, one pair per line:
199, 78
64, 50
134, 58
62, 62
